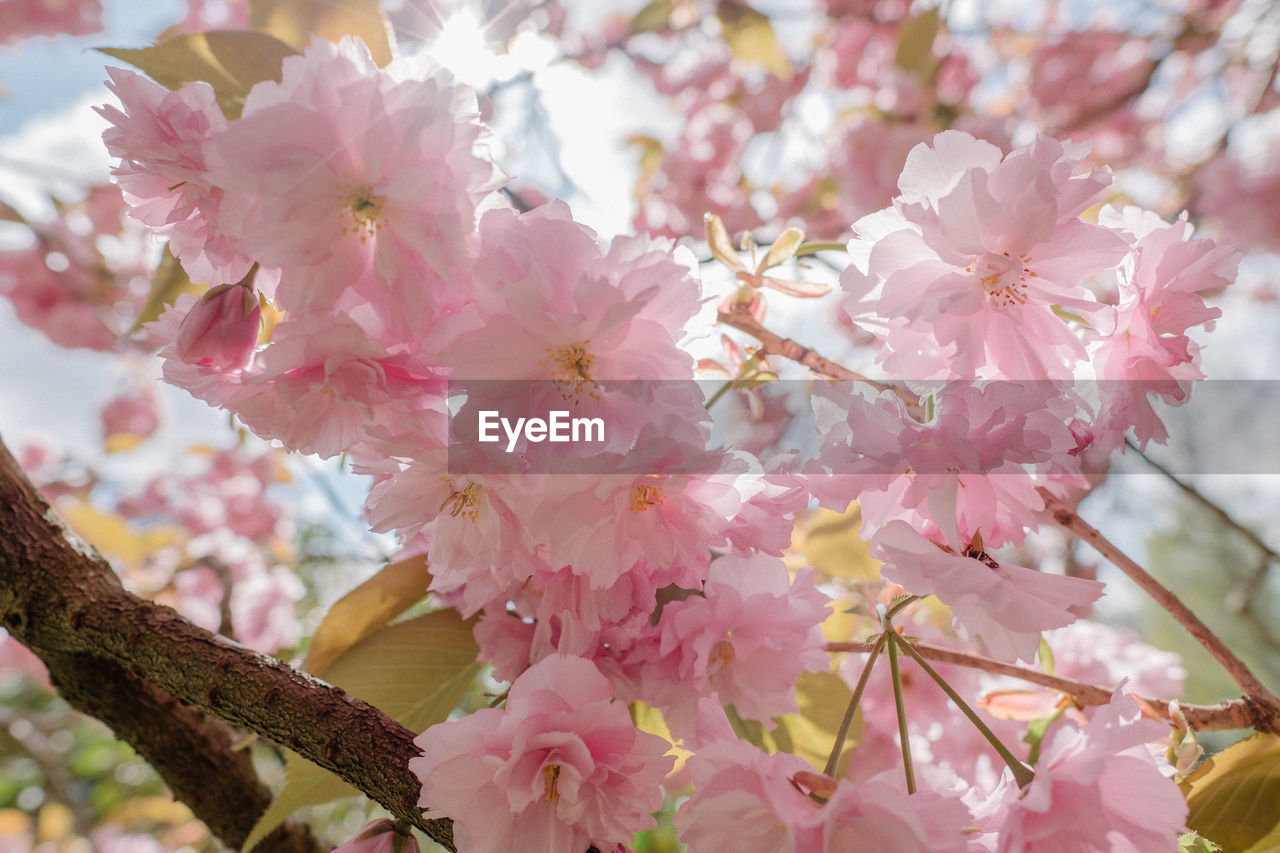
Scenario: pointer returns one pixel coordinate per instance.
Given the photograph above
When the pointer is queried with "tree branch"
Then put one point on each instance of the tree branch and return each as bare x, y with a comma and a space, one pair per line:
774, 344
1265, 706
60, 598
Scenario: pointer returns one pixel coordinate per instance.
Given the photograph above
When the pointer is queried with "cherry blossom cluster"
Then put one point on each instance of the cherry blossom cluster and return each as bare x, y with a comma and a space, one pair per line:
359, 207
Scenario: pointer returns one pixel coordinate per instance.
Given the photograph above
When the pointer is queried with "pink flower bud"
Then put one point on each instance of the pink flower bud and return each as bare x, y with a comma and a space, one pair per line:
380, 836
221, 330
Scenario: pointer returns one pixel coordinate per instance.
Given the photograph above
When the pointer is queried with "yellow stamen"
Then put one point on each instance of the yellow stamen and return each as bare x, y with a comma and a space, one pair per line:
643, 497
550, 776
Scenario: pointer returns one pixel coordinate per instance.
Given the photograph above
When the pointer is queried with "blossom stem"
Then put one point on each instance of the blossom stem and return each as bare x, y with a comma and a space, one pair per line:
818, 246
1229, 714
903, 737
847, 723
719, 393
1022, 774
1267, 704
774, 344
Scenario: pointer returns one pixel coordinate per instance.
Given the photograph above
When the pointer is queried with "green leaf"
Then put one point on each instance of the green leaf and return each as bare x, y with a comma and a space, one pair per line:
415, 671
823, 698
750, 36
1233, 797
915, 44
1036, 730
295, 21
167, 283
231, 61
1193, 843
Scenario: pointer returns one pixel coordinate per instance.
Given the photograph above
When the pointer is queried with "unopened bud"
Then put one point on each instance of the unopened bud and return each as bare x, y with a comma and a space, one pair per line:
221, 330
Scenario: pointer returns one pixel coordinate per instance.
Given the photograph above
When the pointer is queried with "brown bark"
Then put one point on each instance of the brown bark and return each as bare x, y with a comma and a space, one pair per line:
62, 600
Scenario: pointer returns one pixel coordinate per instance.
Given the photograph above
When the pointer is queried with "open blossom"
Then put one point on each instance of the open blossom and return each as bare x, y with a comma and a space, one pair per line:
976, 462
1148, 351
561, 767
1096, 788
963, 275
159, 136
341, 175
1003, 606
747, 637
750, 802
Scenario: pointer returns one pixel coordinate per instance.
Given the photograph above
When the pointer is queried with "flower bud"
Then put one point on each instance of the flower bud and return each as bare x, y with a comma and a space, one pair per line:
221, 329
381, 836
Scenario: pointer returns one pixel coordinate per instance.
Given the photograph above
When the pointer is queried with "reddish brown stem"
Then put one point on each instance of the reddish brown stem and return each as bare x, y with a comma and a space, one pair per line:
1265, 706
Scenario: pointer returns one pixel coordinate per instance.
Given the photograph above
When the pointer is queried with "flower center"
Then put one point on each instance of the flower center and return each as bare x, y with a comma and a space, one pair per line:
571, 369
1004, 278
721, 654
365, 208
550, 776
465, 502
643, 497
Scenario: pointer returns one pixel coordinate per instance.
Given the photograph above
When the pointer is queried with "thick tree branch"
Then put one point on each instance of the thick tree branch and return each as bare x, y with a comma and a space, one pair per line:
60, 598
192, 753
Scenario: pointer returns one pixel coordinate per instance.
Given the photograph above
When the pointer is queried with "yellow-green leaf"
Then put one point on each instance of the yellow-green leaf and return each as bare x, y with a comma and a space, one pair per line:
231, 61
167, 283
1235, 798
654, 16
720, 244
832, 544
415, 672
823, 698
295, 21
782, 250
750, 36
915, 44
365, 609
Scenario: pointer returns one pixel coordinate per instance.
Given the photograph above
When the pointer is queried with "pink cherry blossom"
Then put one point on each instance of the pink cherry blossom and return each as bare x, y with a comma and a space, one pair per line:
747, 637
962, 276
160, 139
130, 417
1096, 787
561, 766
341, 175
1003, 606
26, 18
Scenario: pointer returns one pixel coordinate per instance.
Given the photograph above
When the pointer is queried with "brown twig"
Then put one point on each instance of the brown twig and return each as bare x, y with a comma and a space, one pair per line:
1230, 714
1265, 706
61, 599
774, 344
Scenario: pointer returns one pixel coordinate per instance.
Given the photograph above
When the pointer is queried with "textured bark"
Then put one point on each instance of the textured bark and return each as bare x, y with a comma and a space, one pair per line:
192, 753
62, 600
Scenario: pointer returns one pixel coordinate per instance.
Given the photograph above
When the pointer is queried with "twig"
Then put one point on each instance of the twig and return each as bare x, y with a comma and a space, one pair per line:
1267, 705
1229, 714
774, 344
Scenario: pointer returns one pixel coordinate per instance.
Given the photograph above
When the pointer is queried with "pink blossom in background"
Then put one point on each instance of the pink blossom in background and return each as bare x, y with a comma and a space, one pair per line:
25, 18
561, 766
130, 417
